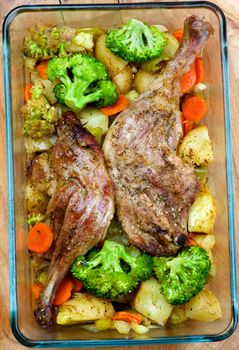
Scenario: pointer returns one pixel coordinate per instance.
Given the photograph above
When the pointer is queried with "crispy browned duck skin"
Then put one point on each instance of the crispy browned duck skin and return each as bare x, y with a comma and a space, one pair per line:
80, 209
153, 187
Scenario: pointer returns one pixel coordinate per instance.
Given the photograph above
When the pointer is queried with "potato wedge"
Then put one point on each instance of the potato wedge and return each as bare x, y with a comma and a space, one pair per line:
143, 79
123, 80
196, 147
113, 63
202, 214
84, 307
205, 241
204, 307
36, 201
150, 302
154, 65
178, 314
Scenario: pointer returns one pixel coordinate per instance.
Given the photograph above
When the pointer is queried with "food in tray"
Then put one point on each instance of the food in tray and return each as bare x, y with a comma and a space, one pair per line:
119, 210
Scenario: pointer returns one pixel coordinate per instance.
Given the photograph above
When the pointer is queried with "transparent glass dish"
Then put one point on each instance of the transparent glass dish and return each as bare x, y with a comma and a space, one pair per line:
218, 120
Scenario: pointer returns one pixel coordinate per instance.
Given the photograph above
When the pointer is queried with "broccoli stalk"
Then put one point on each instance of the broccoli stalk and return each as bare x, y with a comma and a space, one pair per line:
136, 42
83, 80
45, 42
114, 270
182, 277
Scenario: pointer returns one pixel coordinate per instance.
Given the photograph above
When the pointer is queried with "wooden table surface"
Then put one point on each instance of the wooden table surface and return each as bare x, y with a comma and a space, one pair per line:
7, 341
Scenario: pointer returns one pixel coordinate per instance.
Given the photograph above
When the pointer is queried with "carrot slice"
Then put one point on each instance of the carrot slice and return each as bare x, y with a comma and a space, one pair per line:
194, 108
27, 92
41, 67
63, 292
188, 79
128, 317
40, 238
178, 34
199, 69
77, 284
36, 290
188, 126
121, 103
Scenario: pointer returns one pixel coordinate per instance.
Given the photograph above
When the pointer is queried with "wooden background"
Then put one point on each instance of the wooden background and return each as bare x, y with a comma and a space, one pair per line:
231, 10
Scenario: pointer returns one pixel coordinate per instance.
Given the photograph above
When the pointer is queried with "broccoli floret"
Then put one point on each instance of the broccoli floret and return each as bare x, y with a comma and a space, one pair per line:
36, 128
35, 218
114, 270
135, 41
182, 277
83, 80
60, 91
45, 42
40, 117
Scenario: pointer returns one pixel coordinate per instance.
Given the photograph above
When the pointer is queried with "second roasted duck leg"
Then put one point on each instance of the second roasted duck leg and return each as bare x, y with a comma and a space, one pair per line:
80, 209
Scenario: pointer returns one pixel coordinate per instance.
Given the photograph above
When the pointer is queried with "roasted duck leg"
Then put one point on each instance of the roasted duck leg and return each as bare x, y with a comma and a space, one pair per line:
153, 187
81, 207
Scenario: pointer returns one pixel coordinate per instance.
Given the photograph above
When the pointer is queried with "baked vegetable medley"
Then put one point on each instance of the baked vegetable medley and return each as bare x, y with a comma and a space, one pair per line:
120, 214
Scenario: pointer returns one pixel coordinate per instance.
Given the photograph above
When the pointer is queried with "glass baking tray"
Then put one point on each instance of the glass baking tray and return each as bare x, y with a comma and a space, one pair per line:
172, 15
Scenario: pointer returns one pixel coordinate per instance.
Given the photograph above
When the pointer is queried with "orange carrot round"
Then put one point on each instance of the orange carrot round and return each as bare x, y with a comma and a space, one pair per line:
40, 238
178, 34
121, 103
27, 92
77, 284
36, 290
128, 317
188, 79
199, 69
188, 126
41, 67
194, 108
63, 292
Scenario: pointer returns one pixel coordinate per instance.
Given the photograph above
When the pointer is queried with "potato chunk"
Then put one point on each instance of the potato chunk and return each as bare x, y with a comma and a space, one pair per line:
84, 307
202, 214
143, 80
36, 201
205, 241
123, 80
196, 147
204, 307
150, 302
178, 314
113, 63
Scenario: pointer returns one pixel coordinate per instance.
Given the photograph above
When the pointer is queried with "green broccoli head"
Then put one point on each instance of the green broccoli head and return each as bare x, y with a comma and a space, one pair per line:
35, 218
83, 80
40, 117
136, 42
37, 128
45, 42
60, 91
114, 270
182, 277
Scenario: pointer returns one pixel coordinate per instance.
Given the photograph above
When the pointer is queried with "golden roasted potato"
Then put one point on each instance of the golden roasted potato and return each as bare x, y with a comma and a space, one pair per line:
150, 302
123, 80
178, 314
204, 307
154, 65
202, 214
143, 80
196, 147
36, 201
84, 307
205, 241
113, 63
